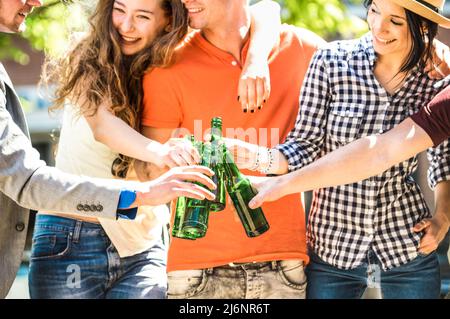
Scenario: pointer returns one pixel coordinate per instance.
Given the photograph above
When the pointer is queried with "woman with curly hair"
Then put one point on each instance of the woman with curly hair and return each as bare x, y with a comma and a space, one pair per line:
99, 85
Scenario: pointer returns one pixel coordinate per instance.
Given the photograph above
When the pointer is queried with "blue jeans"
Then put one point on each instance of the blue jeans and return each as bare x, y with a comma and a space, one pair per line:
75, 259
418, 279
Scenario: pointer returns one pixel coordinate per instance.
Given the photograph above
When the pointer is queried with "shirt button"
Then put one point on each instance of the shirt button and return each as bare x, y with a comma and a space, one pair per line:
20, 226
80, 207
87, 208
234, 63
99, 208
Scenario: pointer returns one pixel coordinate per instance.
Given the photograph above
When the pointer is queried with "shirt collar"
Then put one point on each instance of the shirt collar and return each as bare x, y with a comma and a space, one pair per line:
211, 49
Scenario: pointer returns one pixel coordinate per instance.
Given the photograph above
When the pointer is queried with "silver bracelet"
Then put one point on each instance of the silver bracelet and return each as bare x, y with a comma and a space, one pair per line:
257, 162
270, 156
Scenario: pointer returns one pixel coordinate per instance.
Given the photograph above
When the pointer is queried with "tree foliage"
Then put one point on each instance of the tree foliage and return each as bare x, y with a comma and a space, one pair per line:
328, 18
48, 27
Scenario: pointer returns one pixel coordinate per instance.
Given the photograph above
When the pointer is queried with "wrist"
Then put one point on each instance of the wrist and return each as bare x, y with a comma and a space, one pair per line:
442, 218
138, 200
267, 160
256, 159
286, 185
153, 149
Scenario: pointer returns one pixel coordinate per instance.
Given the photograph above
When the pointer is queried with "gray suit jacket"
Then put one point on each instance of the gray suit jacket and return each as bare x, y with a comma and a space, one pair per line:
27, 183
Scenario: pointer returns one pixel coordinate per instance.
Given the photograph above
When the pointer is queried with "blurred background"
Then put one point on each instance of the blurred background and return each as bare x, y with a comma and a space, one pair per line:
48, 34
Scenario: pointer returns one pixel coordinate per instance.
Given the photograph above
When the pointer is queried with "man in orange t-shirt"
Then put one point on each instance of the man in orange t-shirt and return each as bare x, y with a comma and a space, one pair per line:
186, 96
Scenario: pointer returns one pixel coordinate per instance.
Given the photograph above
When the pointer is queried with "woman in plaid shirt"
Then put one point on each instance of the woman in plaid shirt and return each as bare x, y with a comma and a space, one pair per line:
362, 234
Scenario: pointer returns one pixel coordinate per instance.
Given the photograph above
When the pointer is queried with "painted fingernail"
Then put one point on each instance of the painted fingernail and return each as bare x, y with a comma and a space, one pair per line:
259, 107
264, 101
245, 110
239, 98
253, 111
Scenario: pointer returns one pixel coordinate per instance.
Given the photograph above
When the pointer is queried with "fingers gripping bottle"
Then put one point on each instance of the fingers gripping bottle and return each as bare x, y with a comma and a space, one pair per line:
196, 215
180, 208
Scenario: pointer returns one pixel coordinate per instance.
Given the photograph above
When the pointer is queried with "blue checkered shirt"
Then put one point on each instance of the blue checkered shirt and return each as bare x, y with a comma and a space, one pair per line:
341, 100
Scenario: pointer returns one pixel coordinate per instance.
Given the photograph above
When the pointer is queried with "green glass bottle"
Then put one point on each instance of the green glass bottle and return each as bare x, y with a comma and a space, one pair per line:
196, 215
241, 193
217, 166
180, 208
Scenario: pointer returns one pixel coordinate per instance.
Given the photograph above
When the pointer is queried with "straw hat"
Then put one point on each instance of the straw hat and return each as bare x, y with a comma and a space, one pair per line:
430, 9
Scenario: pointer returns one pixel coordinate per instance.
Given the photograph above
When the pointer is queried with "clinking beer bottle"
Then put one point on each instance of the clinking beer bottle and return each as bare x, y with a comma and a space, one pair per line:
217, 167
180, 208
241, 193
196, 215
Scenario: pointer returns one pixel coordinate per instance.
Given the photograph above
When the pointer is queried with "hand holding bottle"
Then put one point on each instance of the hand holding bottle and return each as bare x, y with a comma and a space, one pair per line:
269, 189
244, 154
177, 152
175, 183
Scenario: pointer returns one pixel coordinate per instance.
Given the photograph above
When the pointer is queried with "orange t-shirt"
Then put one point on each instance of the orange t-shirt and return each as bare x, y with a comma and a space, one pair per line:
203, 84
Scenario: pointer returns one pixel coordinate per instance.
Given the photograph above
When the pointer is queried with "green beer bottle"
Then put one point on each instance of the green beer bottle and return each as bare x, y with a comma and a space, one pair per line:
241, 193
217, 166
180, 208
196, 215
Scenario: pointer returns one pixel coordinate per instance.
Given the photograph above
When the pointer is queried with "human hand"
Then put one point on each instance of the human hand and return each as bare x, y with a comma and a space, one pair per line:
244, 154
434, 230
269, 189
254, 85
175, 183
177, 152
439, 67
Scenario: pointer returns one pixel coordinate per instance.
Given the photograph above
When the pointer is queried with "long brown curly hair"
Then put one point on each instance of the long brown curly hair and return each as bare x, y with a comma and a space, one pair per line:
96, 71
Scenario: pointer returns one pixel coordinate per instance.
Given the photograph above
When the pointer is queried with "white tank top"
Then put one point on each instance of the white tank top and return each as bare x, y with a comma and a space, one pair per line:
80, 154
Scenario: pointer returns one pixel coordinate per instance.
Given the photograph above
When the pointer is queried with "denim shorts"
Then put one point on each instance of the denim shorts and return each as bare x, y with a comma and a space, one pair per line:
75, 259
260, 280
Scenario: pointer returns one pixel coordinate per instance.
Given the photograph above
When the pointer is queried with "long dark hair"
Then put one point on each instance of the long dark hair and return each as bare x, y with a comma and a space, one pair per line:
96, 71
423, 32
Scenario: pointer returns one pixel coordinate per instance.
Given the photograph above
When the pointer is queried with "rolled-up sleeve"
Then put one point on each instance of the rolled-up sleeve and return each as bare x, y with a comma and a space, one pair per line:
439, 158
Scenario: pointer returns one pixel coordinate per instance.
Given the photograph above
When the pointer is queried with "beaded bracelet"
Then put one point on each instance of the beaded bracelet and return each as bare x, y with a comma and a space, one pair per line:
270, 156
257, 162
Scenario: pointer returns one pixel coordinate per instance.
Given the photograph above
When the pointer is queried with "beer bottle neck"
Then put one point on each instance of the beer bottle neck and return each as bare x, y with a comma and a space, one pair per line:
216, 133
231, 166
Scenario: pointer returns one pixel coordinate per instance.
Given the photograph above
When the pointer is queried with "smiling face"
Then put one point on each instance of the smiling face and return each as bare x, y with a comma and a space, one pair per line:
14, 12
205, 13
389, 27
138, 22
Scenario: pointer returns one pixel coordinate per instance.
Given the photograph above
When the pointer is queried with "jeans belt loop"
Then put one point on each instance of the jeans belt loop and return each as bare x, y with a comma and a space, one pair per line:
77, 231
275, 264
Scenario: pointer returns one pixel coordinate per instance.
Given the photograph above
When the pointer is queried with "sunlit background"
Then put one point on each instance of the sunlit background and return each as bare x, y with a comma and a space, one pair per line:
48, 33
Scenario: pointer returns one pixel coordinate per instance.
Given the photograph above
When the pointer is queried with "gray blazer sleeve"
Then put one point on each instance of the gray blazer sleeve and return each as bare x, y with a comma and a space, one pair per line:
28, 181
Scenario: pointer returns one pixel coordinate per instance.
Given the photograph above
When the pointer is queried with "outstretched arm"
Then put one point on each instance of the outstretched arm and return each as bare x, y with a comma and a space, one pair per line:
121, 138
254, 85
356, 161
26, 179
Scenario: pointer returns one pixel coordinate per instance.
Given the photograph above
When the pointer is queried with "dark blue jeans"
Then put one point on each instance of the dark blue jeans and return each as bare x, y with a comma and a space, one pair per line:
74, 259
418, 279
